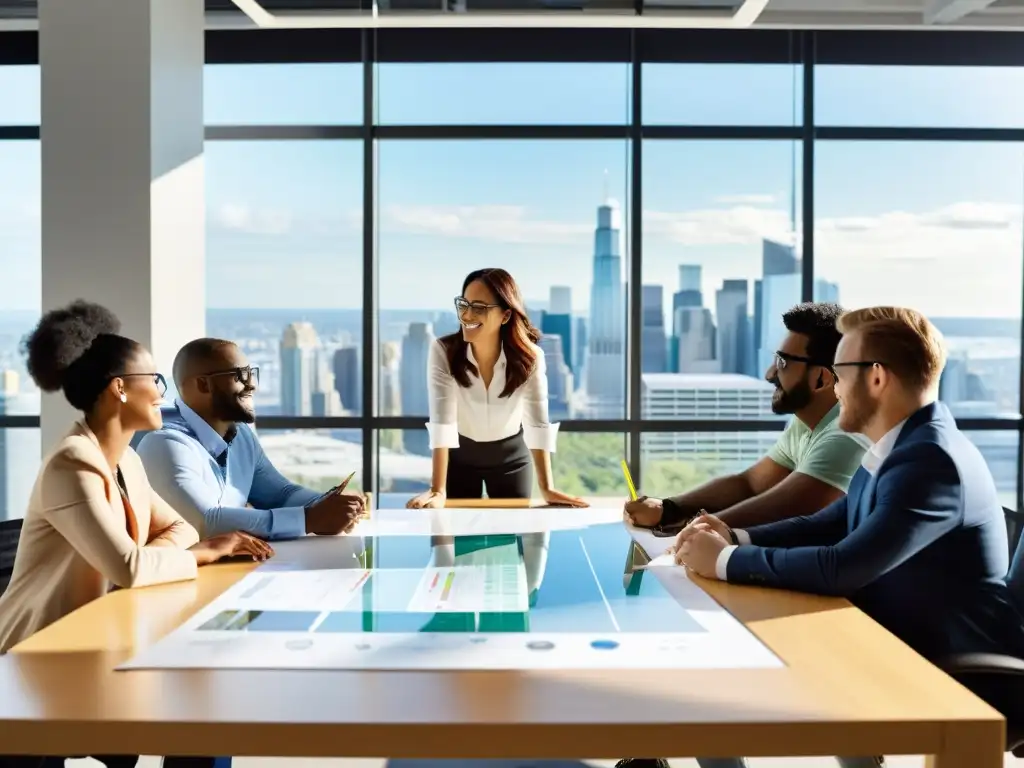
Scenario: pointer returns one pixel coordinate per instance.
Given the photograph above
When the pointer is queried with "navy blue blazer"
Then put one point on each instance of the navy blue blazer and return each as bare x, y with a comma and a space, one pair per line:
920, 547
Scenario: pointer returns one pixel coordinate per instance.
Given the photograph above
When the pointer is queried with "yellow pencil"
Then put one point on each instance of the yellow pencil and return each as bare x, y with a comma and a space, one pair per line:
629, 480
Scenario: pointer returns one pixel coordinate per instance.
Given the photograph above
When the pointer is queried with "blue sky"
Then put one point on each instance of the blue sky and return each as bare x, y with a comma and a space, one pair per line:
932, 225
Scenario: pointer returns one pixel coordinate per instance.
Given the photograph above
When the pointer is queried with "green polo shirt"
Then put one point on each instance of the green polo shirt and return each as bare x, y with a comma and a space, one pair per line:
825, 453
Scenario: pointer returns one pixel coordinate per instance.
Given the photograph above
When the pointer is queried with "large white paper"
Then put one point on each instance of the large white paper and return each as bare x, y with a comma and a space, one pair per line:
654, 546
283, 619
667, 560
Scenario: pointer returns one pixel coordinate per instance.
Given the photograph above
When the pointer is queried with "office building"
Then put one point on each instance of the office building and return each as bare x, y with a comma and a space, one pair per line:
390, 393
690, 278
735, 352
654, 344
299, 368
348, 380
559, 379
560, 300
606, 361
560, 326
706, 397
693, 337
19, 448
414, 397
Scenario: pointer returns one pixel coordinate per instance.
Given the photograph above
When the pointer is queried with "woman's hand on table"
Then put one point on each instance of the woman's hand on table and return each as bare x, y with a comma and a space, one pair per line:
427, 500
559, 499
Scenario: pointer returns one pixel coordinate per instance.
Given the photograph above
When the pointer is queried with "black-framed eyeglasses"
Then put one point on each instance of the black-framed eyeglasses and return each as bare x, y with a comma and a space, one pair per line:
242, 375
158, 380
858, 364
476, 308
782, 359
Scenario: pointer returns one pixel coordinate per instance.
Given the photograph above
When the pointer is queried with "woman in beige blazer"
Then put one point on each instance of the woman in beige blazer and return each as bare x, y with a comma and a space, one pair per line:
93, 521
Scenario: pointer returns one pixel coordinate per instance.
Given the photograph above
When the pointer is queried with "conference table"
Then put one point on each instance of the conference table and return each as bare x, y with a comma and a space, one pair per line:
844, 685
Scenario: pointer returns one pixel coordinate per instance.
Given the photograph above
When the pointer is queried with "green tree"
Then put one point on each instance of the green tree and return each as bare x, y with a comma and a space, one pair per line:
590, 464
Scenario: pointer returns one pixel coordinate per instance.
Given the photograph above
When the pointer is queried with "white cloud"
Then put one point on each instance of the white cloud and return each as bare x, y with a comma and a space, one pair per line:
986, 230
961, 231
238, 217
755, 199
498, 223
735, 225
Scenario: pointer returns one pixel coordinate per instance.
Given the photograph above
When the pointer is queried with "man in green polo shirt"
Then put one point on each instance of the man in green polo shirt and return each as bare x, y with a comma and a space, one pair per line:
812, 462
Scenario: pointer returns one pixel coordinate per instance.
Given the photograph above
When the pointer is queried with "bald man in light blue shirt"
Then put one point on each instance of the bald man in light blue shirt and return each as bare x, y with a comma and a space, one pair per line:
207, 462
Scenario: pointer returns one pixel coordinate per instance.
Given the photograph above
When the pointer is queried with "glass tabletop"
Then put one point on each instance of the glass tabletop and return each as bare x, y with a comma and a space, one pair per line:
411, 597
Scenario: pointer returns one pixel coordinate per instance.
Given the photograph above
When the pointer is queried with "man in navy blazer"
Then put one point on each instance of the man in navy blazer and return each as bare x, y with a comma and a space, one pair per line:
919, 542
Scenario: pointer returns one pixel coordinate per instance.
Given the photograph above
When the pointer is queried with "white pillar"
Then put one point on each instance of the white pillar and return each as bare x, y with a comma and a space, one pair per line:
122, 169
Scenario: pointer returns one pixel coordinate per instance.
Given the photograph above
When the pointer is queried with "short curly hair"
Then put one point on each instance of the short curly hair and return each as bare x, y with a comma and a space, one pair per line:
817, 321
77, 349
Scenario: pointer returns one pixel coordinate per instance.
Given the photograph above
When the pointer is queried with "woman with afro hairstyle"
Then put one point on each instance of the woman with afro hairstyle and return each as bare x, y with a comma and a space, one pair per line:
92, 520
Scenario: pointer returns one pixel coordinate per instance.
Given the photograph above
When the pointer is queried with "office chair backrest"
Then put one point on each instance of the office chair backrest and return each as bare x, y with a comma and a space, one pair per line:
1014, 528
165, 411
1015, 576
10, 533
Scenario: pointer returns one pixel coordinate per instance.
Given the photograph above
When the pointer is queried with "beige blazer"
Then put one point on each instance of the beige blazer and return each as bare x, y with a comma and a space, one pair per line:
79, 538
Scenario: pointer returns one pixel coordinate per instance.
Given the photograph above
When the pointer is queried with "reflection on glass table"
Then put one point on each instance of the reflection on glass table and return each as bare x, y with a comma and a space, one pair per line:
556, 597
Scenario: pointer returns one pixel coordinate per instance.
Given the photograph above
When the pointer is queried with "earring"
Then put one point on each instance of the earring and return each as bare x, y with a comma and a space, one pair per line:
124, 398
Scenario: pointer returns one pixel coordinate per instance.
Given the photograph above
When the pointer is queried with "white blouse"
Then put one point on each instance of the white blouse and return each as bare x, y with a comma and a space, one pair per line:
479, 413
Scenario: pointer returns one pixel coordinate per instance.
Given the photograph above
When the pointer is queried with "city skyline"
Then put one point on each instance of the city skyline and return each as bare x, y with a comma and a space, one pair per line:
940, 219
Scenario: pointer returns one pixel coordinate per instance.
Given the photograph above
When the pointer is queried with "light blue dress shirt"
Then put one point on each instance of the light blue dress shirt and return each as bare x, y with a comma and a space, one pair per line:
181, 460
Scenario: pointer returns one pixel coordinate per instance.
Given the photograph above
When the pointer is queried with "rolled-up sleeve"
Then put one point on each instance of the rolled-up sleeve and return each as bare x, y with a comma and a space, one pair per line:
539, 433
443, 426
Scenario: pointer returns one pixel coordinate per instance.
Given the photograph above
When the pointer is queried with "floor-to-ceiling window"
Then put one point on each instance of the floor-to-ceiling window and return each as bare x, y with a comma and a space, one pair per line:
661, 198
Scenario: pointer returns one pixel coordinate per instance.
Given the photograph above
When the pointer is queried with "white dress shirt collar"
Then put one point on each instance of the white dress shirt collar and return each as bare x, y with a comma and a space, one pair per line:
880, 451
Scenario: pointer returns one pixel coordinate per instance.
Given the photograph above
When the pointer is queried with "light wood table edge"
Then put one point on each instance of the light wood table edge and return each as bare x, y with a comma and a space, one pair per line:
472, 740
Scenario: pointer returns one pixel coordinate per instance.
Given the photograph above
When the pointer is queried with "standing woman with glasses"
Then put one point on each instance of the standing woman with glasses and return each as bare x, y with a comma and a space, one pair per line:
488, 390
93, 521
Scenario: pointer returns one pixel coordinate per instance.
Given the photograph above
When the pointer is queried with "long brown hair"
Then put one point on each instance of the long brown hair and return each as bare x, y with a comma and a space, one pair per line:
518, 335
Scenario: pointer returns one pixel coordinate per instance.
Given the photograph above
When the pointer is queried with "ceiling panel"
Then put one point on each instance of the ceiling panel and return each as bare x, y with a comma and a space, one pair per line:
828, 14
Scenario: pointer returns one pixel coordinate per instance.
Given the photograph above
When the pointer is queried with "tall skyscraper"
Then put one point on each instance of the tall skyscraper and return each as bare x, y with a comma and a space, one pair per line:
734, 336
606, 361
654, 345
779, 294
581, 346
536, 316
20, 448
781, 287
689, 296
559, 379
560, 326
778, 259
690, 277
348, 378
558, 321
826, 291
755, 322
560, 300
415, 401
390, 393
299, 369
694, 336
324, 400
